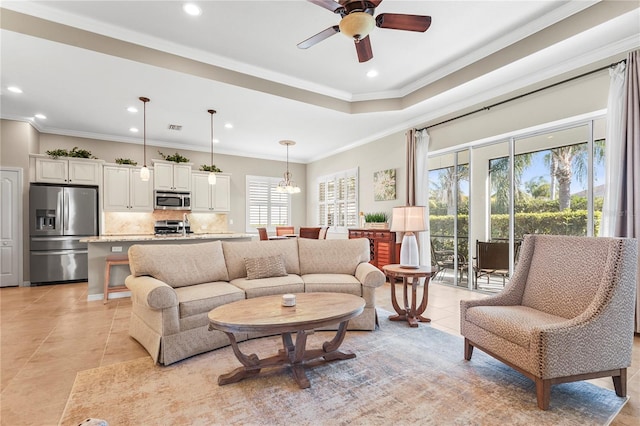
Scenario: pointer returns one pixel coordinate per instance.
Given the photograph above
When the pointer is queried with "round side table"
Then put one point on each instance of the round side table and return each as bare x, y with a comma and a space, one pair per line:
411, 314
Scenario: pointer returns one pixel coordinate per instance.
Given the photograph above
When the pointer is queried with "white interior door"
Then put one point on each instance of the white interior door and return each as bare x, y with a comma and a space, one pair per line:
10, 227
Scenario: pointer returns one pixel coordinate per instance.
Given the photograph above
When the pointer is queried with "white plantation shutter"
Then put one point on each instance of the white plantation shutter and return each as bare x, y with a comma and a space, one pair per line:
266, 208
338, 200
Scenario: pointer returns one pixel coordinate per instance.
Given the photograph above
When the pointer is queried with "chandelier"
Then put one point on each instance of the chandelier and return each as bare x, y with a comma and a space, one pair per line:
287, 185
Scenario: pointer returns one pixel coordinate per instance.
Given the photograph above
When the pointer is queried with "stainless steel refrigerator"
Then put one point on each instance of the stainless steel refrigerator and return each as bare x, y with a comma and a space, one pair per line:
59, 217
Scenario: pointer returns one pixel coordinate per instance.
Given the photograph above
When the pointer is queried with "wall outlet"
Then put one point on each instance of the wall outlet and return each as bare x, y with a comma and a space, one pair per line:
230, 221
116, 249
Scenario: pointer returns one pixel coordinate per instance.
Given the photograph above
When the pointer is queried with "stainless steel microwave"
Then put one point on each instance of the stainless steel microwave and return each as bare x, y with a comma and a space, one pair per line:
165, 200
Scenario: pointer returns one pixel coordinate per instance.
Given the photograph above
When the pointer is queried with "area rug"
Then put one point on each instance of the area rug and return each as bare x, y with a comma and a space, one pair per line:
401, 375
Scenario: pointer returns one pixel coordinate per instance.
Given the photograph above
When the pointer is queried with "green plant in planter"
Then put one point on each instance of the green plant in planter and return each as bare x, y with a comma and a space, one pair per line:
212, 168
378, 217
176, 158
75, 152
126, 161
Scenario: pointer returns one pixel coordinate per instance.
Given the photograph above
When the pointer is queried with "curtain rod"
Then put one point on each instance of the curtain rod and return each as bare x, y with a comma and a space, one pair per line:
523, 95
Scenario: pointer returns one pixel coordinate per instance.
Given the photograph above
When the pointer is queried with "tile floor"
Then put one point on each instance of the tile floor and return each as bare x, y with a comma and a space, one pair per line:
49, 333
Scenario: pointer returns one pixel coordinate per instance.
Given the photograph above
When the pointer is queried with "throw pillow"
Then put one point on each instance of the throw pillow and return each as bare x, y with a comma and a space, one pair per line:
265, 267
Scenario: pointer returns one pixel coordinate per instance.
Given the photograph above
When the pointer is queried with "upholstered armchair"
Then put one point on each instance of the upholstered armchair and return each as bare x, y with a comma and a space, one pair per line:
567, 313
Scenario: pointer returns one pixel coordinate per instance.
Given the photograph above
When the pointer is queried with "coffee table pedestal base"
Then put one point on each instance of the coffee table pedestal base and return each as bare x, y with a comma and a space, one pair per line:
294, 355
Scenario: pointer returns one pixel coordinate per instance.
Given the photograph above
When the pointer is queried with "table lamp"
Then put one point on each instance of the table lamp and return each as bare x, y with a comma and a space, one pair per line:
409, 219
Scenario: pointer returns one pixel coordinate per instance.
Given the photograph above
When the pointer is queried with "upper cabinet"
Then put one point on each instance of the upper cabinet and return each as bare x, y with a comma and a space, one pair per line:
78, 171
210, 198
170, 176
124, 191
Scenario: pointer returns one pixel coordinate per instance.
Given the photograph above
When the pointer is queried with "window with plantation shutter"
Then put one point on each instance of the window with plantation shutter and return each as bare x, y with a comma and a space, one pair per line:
338, 200
266, 208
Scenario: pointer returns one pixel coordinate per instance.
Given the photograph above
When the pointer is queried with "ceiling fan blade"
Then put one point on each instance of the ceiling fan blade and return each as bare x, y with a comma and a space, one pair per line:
397, 21
327, 4
319, 37
363, 47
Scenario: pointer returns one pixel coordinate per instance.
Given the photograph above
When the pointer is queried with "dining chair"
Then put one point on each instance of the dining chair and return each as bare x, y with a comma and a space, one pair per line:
284, 230
263, 234
309, 232
323, 233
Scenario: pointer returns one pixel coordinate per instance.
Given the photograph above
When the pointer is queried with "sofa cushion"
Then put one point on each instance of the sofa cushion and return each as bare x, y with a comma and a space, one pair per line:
512, 323
332, 256
265, 267
270, 286
332, 283
235, 253
201, 298
179, 265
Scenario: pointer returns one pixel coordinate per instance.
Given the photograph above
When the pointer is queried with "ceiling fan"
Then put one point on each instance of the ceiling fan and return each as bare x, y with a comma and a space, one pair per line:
358, 21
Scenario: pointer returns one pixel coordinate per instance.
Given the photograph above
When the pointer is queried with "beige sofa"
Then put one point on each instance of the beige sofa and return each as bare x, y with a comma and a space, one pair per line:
173, 287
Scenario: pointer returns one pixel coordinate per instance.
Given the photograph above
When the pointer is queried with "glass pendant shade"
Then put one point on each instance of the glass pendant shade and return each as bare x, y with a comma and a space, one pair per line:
212, 176
144, 171
144, 174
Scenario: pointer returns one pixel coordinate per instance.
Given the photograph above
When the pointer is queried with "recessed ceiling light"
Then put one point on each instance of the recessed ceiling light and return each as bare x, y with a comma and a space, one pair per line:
192, 9
133, 129
14, 89
372, 73
132, 109
41, 116
216, 141
229, 126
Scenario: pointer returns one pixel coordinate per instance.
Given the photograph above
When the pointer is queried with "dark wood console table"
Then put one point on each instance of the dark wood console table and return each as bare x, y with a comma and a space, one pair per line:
382, 243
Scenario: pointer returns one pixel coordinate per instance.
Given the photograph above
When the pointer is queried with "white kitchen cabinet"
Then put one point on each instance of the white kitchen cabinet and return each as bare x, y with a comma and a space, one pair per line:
124, 191
210, 198
77, 171
170, 176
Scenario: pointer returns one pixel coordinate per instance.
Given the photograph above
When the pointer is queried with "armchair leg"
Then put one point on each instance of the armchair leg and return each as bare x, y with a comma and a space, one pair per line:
620, 382
543, 393
468, 349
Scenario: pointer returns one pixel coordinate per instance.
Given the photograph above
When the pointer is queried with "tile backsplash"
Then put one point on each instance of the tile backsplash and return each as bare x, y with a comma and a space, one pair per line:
125, 223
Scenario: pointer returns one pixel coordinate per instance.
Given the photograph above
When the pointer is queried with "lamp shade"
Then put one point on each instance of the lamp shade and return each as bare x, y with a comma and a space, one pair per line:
408, 219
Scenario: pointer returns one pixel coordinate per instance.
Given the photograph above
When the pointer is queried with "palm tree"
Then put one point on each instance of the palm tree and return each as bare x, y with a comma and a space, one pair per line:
566, 161
499, 175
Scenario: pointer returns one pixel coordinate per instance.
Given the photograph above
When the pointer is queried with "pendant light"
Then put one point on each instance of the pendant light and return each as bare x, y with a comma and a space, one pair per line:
212, 175
287, 185
144, 171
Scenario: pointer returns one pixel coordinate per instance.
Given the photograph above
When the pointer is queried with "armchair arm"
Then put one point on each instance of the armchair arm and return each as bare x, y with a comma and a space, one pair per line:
151, 292
369, 275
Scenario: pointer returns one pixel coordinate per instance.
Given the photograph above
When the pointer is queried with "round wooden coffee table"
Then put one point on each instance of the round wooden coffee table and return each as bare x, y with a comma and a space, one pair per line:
267, 315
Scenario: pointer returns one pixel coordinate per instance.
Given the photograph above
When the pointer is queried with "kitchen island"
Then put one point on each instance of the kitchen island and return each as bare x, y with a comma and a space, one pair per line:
102, 246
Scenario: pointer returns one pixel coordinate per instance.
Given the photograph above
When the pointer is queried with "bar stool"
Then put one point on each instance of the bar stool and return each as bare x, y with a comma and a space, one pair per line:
112, 260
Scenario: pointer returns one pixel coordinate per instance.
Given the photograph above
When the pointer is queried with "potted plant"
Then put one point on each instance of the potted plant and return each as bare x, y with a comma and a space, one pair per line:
377, 220
126, 161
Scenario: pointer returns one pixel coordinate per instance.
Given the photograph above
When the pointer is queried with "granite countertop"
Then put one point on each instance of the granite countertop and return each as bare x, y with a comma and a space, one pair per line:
116, 238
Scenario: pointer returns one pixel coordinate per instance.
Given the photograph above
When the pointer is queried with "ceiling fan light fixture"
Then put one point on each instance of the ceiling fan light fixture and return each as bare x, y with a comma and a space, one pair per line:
357, 25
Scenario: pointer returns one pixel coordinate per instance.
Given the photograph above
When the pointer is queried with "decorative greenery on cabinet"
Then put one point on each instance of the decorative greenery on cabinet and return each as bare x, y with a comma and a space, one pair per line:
176, 158
75, 152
